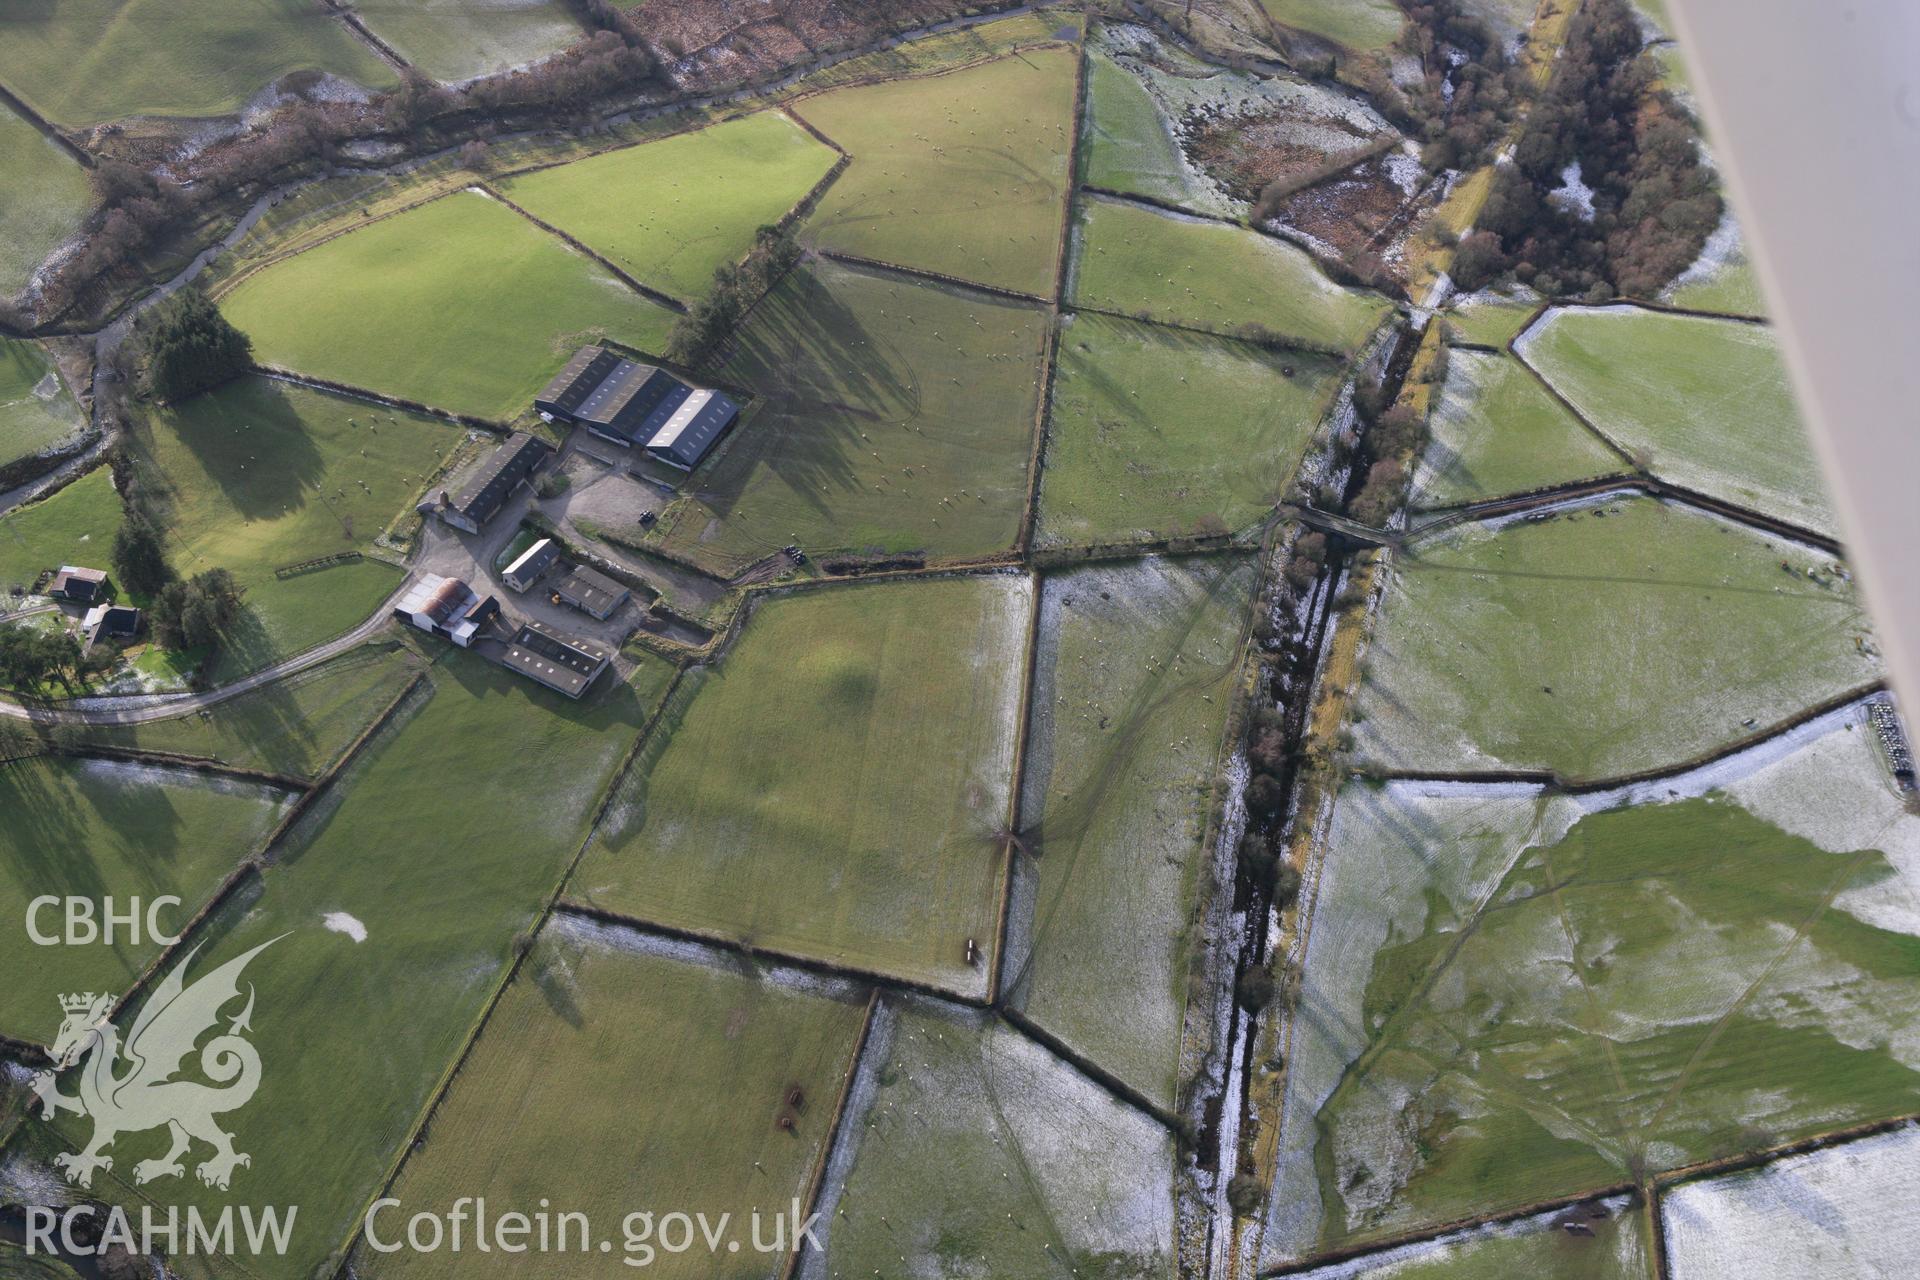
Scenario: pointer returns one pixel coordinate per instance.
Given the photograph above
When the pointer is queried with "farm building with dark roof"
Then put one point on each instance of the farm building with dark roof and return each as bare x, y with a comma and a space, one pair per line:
566, 664
82, 586
110, 622
486, 492
530, 564
696, 422
591, 592
637, 404
573, 384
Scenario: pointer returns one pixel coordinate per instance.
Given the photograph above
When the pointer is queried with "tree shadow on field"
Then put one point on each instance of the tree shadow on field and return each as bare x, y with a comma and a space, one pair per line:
827, 376
48, 850
250, 441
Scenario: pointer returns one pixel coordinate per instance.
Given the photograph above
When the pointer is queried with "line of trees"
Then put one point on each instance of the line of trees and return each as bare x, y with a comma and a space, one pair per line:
699, 333
1653, 201
183, 613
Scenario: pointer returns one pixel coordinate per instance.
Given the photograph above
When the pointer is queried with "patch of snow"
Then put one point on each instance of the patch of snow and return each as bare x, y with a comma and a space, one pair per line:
586, 931
1403, 167
1723, 249
1572, 195
125, 774
341, 922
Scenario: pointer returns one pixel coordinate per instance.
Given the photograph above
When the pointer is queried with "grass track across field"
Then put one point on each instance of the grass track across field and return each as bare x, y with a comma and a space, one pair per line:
1155, 432
1625, 636
432, 844
620, 1075
962, 174
1208, 275
1131, 687
80, 62
94, 829
461, 304
836, 787
891, 416
670, 212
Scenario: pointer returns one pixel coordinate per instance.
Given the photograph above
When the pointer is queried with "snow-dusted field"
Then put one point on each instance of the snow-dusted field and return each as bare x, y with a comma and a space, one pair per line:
1403, 861
1611, 1247
1847, 1211
1441, 978
975, 1152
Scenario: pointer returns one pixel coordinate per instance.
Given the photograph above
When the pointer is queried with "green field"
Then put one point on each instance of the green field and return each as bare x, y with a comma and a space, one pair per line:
1572, 993
431, 850
1156, 432
297, 725
1207, 275
94, 829
1659, 632
74, 526
963, 174
836, 787
670, 212
980, 1154
1535, 1248
83, 61
889, 417
47, 194
1706, 401
461, 304
688, 1062
1359, 25
1488, 320
36, 410
1136, 668
461, 39
259, 475
1127, 143
1495, 430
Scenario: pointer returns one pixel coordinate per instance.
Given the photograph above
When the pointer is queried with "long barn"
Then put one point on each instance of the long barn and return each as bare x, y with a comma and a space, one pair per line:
638, 405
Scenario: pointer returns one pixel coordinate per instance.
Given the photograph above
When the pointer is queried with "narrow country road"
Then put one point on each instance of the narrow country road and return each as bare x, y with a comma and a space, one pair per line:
138, 710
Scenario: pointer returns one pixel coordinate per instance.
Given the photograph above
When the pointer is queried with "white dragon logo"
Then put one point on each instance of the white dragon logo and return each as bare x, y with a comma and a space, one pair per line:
147, 1096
